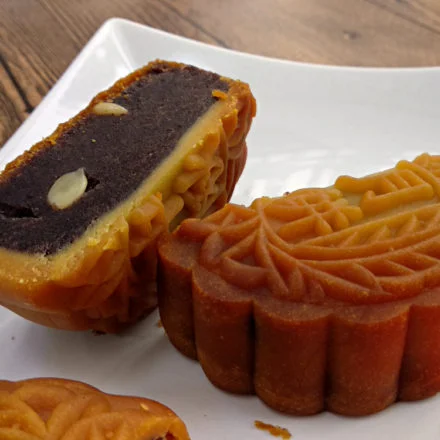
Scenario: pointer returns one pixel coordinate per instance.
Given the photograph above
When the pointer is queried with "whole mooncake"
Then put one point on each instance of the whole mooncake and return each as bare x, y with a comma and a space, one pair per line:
81, 211
320, 299
58, 409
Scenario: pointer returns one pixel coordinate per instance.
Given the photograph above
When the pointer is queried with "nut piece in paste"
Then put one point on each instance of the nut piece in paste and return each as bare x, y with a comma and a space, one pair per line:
67, 189
109, 109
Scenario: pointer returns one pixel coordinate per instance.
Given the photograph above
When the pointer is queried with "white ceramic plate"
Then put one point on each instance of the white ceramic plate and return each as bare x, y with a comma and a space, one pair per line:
313, 123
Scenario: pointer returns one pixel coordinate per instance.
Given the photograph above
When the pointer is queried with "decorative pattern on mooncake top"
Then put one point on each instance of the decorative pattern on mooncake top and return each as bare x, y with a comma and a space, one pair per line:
322, 298
57, 409
384, 247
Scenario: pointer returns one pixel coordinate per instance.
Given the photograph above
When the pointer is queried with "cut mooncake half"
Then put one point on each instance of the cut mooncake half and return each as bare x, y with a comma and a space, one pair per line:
320, 299
81, 211
58, 409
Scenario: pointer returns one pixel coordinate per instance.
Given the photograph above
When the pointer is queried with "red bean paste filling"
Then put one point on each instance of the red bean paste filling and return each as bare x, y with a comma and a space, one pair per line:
117, 152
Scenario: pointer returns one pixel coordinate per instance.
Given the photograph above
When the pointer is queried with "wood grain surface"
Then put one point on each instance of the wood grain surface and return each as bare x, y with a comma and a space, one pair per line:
39, 38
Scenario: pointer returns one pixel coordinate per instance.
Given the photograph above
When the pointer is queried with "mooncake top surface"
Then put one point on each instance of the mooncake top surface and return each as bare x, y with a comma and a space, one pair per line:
364, 240
58, 409
117, 153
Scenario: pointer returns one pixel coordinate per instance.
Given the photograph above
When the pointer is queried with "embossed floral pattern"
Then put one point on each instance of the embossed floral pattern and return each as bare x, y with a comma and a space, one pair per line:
356, 264
361, 253
56, 409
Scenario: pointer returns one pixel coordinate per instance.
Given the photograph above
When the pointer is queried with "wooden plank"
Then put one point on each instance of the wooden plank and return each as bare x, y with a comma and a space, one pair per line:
12, 107
39, 38
424, 13
344, 32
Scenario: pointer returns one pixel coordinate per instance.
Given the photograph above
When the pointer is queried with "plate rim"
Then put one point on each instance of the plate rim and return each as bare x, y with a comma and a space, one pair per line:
120, 21
117, 25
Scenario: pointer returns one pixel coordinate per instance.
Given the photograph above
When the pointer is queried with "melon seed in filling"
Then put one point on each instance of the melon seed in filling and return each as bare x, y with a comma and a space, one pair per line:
109, 108
67, 189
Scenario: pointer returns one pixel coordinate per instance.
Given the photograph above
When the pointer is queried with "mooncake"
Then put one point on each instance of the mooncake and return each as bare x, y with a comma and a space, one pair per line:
321, 299
81, 211
58, 409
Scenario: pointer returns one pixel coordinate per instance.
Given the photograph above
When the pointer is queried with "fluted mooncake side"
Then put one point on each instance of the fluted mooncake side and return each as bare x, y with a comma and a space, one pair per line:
320, 299
59, 409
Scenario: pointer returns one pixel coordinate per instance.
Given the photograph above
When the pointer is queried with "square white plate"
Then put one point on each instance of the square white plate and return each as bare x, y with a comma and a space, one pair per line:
313, 123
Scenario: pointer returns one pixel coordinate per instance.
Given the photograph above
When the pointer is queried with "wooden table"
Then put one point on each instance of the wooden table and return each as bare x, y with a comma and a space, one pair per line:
39, 38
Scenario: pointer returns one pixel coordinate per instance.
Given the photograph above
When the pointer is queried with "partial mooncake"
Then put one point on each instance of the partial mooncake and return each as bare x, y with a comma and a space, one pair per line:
58, 409
81, 211
320, 299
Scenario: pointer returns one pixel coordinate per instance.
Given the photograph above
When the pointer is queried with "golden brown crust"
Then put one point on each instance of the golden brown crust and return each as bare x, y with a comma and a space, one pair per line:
106, 279
321, 299
59, 409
